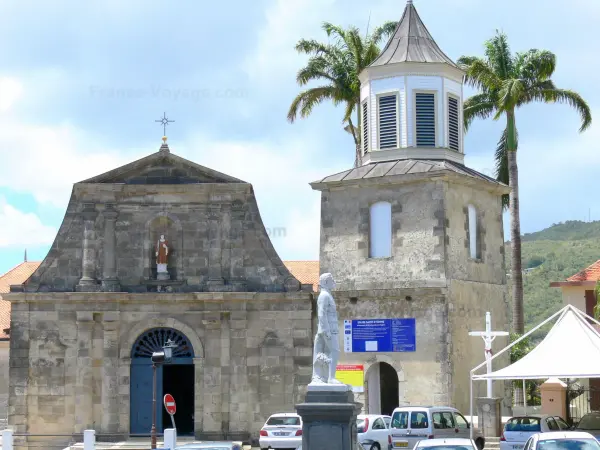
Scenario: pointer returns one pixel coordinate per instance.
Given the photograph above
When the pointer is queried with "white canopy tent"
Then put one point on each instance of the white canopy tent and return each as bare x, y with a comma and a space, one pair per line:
571, 349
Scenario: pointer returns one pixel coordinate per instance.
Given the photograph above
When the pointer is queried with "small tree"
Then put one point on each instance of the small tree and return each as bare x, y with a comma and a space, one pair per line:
517, 352
597, 307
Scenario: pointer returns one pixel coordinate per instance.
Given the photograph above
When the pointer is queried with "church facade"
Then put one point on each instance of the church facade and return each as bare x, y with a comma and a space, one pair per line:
160, 249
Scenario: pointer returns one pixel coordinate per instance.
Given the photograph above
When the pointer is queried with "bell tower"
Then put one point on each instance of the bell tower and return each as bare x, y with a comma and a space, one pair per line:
411, 98
413, 233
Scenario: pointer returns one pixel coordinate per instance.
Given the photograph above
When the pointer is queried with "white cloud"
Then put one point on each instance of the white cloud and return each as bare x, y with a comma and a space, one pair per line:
286, 23
280, 173
19, 229
45, 161
10, 91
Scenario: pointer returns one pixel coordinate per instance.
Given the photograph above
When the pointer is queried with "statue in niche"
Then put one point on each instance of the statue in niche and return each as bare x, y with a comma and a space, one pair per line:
162, 258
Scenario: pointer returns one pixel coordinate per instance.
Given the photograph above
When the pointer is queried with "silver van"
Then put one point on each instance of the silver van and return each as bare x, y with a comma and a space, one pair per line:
411, 424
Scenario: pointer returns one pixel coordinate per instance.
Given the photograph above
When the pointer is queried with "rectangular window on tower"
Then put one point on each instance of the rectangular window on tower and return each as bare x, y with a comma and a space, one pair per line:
388, 121
453, 134
365, 127
425, 119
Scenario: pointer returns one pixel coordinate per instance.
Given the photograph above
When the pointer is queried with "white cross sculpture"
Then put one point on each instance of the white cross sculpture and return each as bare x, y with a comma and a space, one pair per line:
488, 337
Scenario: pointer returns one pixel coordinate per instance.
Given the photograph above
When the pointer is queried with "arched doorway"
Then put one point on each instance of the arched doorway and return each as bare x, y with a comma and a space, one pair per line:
176, 378
382, 388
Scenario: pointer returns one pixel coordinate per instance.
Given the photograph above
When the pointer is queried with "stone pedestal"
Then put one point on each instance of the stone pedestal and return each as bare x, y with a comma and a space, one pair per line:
489, 411
329, 418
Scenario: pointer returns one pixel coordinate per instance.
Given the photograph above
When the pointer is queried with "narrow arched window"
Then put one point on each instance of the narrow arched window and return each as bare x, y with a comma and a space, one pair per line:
473, 235
380, 238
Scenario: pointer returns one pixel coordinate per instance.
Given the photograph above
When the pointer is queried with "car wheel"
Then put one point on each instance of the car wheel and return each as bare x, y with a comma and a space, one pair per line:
480, 443
375, 447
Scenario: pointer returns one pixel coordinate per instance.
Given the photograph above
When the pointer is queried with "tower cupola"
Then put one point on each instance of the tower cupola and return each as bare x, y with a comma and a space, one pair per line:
411, 98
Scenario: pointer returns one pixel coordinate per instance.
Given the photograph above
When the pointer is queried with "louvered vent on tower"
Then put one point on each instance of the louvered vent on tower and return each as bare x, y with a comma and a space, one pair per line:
425, 119
365, 124
453, 123
388, 121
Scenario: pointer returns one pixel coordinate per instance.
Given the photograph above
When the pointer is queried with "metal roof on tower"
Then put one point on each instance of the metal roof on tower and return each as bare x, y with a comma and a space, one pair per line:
411, 42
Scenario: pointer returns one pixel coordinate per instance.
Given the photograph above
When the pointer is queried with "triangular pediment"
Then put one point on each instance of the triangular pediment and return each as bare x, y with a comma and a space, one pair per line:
162, 167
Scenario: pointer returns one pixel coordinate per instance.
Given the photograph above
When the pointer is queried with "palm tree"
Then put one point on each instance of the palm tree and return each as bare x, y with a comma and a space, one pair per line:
338, 63
507, 82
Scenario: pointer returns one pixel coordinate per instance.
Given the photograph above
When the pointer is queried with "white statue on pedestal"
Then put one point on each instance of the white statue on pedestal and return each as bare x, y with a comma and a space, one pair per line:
327, 347
162, 257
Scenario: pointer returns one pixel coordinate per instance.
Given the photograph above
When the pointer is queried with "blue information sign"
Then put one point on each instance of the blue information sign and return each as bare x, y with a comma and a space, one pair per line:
380, 335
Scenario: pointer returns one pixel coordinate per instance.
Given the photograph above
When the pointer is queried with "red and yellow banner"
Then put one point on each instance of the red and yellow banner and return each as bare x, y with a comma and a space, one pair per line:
352, 374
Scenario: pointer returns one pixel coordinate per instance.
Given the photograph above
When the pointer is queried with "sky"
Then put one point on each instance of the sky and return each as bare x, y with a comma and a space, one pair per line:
82, 83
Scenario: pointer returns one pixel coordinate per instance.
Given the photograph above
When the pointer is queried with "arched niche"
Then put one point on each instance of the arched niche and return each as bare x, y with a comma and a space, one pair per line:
170, 226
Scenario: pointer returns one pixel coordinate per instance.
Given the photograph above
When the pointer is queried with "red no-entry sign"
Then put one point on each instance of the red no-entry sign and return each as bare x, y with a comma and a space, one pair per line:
169, 402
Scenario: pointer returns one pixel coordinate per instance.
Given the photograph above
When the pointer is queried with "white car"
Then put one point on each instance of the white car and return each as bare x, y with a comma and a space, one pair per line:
562, 440
411, 424
281, 431
446, 444
373, 431
520, 428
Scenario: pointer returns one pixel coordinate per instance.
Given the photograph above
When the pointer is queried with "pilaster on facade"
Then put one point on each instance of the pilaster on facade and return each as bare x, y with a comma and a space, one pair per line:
84, 378
88, 261
110, 366
109, 276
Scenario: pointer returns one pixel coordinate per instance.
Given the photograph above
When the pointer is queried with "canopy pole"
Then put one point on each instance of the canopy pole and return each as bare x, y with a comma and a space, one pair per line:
508, 347
524, 396
471, 404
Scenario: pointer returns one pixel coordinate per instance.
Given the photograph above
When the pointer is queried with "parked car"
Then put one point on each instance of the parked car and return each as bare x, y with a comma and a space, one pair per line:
373, 432
281, 431
446, 444
520, 428
357, 447
210, 446
561, 440
590, 423
411, 424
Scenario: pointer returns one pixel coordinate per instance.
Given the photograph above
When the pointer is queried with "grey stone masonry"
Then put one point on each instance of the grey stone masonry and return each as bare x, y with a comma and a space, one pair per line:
70, 362
217, 239
429, 274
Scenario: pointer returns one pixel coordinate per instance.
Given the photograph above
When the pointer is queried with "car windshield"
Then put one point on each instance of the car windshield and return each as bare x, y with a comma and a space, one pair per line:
527, 424
448, 447
589, 422
282, 420
360, 425
568, 444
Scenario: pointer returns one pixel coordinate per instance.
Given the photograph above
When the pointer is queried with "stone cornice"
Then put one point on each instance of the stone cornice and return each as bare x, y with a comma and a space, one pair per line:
110, 298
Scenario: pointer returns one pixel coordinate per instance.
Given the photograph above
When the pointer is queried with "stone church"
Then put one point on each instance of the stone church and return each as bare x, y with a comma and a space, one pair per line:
85, 323
165, 249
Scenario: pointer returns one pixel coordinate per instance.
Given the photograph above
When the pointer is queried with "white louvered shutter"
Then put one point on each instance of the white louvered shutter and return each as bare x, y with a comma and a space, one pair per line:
453, 123
388, 121
425, 119
365, 124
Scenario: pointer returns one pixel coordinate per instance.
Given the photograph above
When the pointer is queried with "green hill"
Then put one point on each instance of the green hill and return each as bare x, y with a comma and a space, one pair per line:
554, 254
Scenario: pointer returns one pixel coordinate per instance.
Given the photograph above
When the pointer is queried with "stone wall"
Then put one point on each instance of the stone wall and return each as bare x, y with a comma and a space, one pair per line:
4, 355
217, 239
417, 240
71, 356
424, 376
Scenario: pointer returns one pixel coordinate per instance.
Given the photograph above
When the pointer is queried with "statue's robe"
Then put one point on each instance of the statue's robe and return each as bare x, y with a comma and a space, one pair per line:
162, 249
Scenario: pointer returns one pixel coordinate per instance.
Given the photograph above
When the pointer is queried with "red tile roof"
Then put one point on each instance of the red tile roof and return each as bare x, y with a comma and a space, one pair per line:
307, 272
591, 273
16, 275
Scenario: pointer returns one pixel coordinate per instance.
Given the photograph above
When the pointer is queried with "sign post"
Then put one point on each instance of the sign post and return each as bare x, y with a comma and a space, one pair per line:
488, 337
170, 406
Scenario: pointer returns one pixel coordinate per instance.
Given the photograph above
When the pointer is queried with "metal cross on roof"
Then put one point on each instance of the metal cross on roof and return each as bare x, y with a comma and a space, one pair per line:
164, 121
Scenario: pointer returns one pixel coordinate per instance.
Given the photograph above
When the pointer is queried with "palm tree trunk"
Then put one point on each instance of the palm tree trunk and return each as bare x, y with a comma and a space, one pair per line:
515, 227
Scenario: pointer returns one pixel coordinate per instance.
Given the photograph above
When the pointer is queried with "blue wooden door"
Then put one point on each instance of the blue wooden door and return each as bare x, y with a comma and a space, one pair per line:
141, 398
